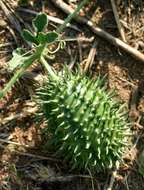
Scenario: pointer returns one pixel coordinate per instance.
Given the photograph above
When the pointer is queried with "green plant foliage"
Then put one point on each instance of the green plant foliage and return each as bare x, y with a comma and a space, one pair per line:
41, 48
40, 22
40, 38
29, 37
49, 37
18, 59
87, 126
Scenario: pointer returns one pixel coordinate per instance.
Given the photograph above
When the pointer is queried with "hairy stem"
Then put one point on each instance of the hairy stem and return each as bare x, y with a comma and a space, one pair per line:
48, 68
38, 54
71, 16
19, 73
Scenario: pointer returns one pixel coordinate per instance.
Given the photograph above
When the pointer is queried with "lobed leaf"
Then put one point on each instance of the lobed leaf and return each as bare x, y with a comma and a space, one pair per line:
48, 38
17, 60
40, 22
28, 36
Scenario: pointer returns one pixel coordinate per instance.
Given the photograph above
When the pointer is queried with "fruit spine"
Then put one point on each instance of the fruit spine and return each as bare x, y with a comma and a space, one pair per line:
87, 126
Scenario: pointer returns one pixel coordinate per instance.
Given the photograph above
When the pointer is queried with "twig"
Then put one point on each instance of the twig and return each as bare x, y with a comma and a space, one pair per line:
19, 19
136, 142
126, 182
80, 51
113, 177
126, 81
92, 182
33, 155
121, 31
1, 32
6, 44
37, 156
91, 56
12, 20
72, 59
112, 180
23, 114
137, 123
80, 39
100, 32
5, 51
133, 113
65, 178
63, 6
14, 143
50, 18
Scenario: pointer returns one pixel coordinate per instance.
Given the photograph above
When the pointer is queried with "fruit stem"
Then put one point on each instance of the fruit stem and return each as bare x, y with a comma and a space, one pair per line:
48, 68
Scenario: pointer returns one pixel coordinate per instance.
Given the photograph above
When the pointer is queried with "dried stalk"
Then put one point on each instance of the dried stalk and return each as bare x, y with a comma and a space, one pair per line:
121, 31
100, 32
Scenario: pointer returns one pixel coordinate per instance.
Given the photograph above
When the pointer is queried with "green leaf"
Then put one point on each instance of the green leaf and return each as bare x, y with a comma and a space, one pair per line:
41, 38
51, 37
28, 36
17, 60
40, 22
19, 51
47, 38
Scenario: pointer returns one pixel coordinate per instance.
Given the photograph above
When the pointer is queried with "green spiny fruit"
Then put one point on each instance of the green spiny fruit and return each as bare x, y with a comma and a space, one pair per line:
87, 126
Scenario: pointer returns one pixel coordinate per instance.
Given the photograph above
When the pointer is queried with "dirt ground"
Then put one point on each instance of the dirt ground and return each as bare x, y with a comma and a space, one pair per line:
24, 164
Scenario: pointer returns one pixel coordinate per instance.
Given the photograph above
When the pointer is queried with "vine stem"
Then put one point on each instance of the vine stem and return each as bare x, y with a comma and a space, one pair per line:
19, 72
71, 16
48, 68
38, 55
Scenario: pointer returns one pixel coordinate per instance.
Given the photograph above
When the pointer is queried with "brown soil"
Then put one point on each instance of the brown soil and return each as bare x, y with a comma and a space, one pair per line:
30, 167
